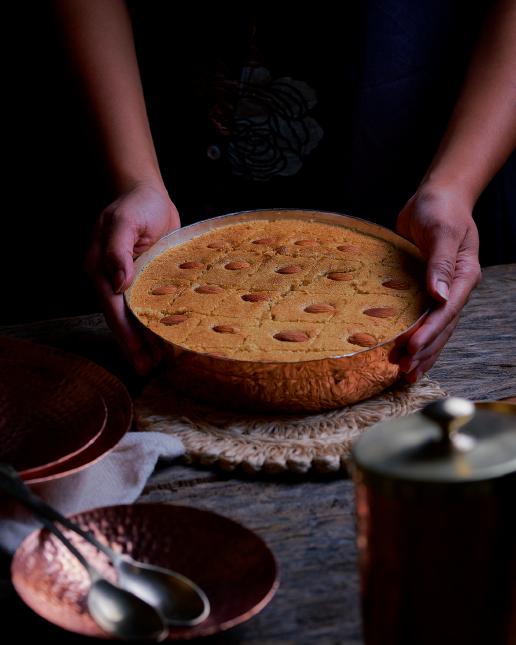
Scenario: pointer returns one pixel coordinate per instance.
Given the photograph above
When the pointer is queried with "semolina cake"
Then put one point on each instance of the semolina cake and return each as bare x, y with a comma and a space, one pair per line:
280, 291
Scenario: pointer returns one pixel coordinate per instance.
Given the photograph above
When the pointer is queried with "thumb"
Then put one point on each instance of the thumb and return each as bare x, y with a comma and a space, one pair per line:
118, 254
443, 250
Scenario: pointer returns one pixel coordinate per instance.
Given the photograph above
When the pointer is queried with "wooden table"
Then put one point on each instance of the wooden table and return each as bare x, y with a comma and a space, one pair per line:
308, 521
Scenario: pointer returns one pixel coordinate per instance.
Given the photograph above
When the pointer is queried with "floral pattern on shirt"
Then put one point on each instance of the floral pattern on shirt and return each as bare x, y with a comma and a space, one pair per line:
267, 122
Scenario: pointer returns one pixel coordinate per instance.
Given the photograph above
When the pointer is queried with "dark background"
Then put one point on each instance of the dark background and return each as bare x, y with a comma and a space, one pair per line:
53, 184
54, 187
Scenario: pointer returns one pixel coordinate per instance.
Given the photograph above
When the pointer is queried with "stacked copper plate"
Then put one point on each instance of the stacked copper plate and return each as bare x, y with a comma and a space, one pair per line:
58, 412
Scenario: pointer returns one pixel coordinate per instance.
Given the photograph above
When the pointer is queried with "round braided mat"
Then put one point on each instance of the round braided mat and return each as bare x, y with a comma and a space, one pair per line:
274, 443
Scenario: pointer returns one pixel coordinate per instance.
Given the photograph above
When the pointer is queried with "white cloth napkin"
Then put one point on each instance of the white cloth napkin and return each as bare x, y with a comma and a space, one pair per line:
118, 478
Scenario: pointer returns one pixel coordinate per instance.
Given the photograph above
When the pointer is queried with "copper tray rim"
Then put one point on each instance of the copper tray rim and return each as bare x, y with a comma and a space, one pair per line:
148, 256
39, 471
60, 470
196, 631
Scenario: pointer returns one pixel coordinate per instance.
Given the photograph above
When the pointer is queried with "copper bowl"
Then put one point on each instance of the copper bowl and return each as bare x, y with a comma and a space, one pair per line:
233, 565
306, 386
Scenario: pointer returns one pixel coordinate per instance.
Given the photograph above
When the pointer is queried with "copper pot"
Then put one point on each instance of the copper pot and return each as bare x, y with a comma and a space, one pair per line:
437, 526
306, 386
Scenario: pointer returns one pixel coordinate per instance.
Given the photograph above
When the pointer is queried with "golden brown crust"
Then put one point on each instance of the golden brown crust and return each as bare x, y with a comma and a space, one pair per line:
279, 291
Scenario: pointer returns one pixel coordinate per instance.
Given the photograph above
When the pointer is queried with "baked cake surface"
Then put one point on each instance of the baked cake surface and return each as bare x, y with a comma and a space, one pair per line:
280, 291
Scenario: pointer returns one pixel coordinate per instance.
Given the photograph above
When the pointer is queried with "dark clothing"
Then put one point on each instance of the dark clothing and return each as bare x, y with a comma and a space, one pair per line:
310, 110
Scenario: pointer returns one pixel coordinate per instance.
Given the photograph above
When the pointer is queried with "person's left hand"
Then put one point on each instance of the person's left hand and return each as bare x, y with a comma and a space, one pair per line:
439, 222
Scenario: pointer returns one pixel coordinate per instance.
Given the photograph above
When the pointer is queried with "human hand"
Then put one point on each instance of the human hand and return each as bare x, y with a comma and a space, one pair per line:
440, 223
125, 229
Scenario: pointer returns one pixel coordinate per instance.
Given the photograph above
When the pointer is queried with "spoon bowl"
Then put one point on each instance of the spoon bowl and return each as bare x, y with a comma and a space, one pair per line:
124, 615
180, 601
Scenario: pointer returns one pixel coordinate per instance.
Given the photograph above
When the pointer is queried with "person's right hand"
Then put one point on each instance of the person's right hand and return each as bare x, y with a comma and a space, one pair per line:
125, 229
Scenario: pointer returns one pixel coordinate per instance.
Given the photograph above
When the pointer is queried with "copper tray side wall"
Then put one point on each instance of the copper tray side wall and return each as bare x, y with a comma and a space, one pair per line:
307, 386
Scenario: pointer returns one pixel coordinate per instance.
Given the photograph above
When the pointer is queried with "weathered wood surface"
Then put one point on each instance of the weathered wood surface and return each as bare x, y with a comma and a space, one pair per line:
479, 360
307, 521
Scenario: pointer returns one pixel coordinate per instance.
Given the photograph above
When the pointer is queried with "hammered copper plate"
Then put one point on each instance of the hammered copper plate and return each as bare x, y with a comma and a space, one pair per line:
230, 563
118, 402
46, 416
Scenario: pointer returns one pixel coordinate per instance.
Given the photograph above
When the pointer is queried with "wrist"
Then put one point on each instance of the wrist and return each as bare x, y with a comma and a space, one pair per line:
127, 182
450, 183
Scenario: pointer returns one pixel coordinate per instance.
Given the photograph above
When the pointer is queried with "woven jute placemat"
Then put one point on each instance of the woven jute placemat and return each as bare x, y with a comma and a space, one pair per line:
278, 443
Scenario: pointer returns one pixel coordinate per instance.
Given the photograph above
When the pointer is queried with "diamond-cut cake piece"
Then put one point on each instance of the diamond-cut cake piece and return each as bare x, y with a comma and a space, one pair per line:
376, 311
152, 295
391, 281
201, 299
269, 235
308, 307
279, 274
247, 305
404, 263
341, 339
415, 310
365, 242
283, 336
336, 277
220, 332
181, 262
233, 269
314, 240
176, 333
225, 238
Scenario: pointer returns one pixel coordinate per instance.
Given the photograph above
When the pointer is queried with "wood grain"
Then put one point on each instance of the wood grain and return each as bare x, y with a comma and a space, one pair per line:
307, 520
479, 360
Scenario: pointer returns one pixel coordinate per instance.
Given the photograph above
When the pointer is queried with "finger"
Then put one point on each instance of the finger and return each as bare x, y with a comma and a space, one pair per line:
444, 246
427, 357
119, 240
140, 360
115, 312
113, 304
117, 316
467, 277
437, 321
421, 369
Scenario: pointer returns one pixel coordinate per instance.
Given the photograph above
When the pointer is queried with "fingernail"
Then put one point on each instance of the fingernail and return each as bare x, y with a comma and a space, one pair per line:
442, 289
413, 365
119, 280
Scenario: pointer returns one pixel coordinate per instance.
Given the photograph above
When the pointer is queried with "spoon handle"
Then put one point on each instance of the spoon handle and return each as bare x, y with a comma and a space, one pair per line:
11, 483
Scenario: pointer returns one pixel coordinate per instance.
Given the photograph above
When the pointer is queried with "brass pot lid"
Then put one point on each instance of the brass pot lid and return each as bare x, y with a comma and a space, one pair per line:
450, 441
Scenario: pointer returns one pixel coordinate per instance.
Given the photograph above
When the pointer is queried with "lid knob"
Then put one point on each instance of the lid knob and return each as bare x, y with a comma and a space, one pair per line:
450, 414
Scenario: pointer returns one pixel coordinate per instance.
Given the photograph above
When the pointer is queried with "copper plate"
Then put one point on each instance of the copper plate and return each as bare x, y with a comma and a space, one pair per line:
306, 386
117, 400
46, 416
231, 564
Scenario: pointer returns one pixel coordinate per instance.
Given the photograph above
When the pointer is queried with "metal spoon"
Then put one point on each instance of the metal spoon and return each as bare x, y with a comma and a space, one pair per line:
118, 612
179, 600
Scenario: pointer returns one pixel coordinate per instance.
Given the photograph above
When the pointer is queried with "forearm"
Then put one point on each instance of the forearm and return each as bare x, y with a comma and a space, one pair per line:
481, 133
99, 36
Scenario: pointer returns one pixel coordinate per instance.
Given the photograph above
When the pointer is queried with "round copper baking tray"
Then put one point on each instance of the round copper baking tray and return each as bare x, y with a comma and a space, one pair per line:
306, 386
